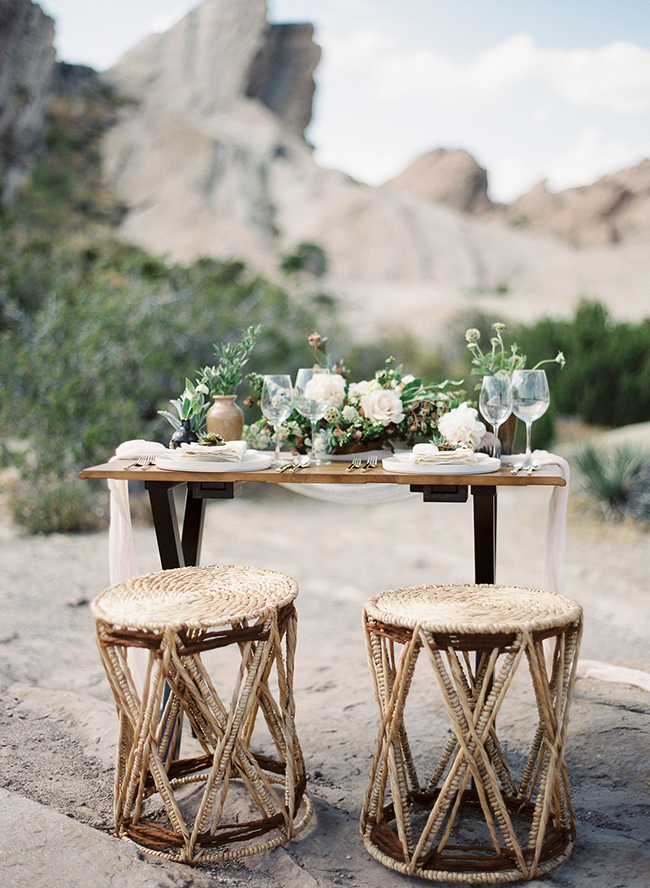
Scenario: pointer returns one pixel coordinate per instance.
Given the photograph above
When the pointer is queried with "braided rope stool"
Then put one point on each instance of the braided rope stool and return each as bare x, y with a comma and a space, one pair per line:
175, 617
473, 820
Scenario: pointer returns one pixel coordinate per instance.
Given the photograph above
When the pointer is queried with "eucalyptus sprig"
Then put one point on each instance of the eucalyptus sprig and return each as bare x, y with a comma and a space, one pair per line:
225, 377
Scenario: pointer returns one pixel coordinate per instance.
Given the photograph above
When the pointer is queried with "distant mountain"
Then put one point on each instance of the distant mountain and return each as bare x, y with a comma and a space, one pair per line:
613, 210
209, 158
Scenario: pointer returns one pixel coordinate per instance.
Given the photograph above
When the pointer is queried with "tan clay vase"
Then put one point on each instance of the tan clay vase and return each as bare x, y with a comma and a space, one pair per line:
225, 418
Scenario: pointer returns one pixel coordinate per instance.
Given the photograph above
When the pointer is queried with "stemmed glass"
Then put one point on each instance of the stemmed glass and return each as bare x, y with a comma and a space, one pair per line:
530, 400
311, 402
495, 404
277, 405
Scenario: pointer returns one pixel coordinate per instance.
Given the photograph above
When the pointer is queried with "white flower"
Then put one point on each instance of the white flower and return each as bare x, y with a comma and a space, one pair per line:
349, 413
327, 388
406, 379
462, 426
382, 405
358, 389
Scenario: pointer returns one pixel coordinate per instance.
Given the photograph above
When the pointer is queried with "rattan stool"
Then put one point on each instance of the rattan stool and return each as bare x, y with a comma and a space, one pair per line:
485, 811
225, 801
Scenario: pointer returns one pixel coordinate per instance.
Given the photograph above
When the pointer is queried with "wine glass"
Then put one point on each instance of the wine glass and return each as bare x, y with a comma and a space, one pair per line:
530, 399
495, 404
311, 401
277, 405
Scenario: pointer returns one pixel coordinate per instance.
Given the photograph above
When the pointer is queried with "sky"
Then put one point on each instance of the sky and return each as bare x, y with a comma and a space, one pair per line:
554, 90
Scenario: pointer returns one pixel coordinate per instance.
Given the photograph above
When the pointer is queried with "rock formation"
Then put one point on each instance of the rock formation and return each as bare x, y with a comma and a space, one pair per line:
212, 161
615, 209
281, 74
452, 178
27, 61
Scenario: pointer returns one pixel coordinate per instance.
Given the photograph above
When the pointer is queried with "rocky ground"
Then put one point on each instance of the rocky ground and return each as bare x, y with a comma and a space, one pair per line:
57, 721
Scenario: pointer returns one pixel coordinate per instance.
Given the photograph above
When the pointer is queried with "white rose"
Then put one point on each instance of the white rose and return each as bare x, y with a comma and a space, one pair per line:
462, 426
358, 389
326, 388
382, 405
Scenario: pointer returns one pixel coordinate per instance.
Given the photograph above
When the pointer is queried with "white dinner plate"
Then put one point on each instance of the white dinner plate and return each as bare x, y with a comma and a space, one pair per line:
253, 461
484, 466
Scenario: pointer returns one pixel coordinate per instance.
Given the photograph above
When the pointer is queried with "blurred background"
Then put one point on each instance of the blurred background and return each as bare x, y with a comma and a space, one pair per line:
387, 173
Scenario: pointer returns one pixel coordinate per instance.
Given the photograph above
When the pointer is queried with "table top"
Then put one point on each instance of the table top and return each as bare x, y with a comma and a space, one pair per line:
334, 473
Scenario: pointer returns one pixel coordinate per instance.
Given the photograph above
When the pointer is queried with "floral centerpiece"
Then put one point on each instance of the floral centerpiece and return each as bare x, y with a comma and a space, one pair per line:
391, 408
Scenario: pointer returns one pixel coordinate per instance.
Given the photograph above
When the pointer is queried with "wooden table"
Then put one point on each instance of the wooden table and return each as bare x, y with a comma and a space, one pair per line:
180, 545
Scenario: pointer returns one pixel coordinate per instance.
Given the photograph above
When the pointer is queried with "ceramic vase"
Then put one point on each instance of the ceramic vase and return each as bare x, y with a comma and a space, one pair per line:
183, 435
226, 418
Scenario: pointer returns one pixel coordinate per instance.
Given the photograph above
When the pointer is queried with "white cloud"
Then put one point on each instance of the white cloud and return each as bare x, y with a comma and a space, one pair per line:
593, 155
615, 77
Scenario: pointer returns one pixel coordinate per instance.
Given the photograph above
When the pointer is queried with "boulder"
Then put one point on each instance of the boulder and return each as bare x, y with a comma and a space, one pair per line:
449, 177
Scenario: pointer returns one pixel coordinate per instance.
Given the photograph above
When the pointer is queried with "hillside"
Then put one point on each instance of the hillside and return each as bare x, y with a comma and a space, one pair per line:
207, 170
208, 158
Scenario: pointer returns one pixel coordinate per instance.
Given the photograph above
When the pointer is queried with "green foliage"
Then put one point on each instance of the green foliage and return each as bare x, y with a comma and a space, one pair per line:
609, 476
606, 381
56, 507
309, 258
227, 375
96, 336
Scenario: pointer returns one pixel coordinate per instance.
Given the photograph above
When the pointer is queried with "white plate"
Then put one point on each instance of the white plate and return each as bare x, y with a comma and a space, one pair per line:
483, 467
253, 461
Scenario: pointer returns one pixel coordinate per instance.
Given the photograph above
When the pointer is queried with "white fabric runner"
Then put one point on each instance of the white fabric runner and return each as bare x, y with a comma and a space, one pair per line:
554, 548
122, 562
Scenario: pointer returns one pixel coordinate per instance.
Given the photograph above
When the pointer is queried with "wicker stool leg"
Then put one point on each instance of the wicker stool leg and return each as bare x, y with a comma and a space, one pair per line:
415, 827
275, 787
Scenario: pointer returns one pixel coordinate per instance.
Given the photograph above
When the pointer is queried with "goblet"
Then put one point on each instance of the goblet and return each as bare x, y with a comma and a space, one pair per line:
311, 401
530, 400
495, 404
277, 404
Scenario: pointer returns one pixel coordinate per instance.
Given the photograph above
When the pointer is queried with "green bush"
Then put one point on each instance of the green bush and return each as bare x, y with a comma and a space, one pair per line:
609, 476
606, 380
56, 507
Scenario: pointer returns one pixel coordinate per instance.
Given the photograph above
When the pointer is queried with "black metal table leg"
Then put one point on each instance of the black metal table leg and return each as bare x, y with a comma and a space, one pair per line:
192, 535
165, 522
485, 533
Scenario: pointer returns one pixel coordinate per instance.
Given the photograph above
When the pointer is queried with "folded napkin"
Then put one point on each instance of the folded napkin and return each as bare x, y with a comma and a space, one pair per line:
231, 451
138, 447
428, 454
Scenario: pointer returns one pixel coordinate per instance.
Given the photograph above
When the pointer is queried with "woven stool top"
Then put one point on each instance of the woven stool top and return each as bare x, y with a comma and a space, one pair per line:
473, 609
194, 597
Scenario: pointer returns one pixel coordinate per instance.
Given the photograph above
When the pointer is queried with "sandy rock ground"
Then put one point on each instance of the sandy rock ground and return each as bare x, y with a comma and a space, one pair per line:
57, 719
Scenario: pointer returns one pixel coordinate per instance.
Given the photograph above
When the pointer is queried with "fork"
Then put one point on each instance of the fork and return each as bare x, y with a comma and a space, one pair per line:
355, 464
142, 462
371, 463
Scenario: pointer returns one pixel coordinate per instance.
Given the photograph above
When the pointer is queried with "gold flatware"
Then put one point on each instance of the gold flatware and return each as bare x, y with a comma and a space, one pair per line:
355, 464
371, 463
301, 463
286, 467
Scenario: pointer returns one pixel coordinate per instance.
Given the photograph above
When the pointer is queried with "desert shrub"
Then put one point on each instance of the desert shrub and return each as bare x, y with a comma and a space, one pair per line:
606, 380
56, 507
102, 354
610, 476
